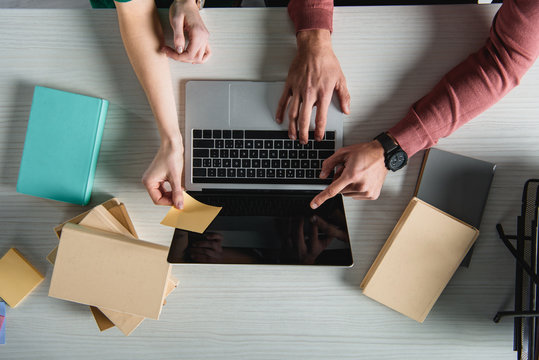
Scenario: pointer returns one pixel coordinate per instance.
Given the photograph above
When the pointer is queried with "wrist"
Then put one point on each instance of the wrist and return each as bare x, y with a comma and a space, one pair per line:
308, 40
174, 143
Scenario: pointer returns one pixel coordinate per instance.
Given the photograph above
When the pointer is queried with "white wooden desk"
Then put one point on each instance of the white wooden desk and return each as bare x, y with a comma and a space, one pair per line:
391, 56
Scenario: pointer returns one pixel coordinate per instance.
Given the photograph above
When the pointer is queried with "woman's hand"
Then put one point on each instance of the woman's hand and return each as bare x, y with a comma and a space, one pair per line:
166, 167
185, 19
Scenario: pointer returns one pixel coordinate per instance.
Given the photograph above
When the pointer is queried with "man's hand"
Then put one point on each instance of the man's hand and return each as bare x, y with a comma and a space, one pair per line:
361, 173
167, 166
313, 76
185, 19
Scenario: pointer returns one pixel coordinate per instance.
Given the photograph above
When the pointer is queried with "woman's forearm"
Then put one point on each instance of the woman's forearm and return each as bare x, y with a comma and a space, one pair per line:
142, 35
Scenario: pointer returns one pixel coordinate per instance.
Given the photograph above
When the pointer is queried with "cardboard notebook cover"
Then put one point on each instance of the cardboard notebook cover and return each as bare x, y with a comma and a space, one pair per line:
115, 211
110, 271
418, 259
456, 184
62, 145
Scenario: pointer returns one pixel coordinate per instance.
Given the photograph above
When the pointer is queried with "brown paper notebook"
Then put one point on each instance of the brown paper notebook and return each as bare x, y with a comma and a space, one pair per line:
418, 260
114, 219
120, 273
127, 323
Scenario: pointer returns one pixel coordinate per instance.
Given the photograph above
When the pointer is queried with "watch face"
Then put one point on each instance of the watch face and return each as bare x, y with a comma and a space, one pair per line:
397, 160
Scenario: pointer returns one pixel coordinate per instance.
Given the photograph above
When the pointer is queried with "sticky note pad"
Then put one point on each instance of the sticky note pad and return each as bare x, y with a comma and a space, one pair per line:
195, 216
62, 145
18, 277
3, 326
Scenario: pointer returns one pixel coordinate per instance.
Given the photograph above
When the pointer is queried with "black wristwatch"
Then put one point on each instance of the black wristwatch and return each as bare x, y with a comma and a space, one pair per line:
395, 157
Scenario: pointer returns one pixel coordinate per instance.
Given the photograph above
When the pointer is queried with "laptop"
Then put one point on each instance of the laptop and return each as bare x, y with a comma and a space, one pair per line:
238, 157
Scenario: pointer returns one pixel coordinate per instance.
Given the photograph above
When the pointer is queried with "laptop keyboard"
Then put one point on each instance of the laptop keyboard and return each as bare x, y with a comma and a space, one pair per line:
258, 157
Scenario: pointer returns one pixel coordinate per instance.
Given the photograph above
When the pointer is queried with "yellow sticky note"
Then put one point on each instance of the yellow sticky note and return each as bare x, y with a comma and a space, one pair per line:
195, 216
18, 277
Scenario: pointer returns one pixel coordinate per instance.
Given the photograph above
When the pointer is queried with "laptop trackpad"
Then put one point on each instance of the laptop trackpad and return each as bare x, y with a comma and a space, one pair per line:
253, 105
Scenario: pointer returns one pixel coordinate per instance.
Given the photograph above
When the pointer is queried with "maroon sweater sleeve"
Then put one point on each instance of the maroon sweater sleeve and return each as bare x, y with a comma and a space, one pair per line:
478, 82
311, 14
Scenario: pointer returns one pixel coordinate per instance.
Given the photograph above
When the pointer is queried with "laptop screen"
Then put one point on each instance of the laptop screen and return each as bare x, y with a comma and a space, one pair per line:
267, 228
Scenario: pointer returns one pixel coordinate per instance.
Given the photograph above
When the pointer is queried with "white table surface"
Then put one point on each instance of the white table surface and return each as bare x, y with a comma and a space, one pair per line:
391, 56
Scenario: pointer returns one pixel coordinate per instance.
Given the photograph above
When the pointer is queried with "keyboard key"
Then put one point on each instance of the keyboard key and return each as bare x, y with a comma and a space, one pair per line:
309, 174
288, 144
244, 154
241, 173
290, 173
203, 144
280, 173
313, 154
212, 173
206, 163
229, 144
263, 154
256, 163
231, 173
227, 163
303, 154
273, 154
297, 145
224, 153
278, 144
237, 134
292, 154
236, 163
300, 173
316, 164
197, 162
324, 145
266, 163
234, 153
253, 154
259, 144
294, 164
199, 172
197, 134
275, 164
268, 144
238, 144
246, 163
330, 135
216, 163
217, 134
270, 173
227, 134
324, 154
214, 153
206, 134
221, 173
201, 153
260, 173
266, 134
305, 164
219, 144
251, 173
249, 144
309, 145
285, 164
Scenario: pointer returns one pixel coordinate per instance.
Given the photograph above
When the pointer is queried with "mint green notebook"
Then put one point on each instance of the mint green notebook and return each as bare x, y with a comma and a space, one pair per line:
62, 145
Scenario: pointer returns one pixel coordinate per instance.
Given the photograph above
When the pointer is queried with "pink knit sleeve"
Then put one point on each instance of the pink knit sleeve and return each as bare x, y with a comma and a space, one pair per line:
311, 14
478, 82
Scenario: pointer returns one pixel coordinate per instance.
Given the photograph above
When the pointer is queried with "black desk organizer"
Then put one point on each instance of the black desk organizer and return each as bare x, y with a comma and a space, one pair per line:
526, 253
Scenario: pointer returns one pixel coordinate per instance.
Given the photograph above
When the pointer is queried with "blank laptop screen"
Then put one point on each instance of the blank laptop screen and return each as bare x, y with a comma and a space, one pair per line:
267, 228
